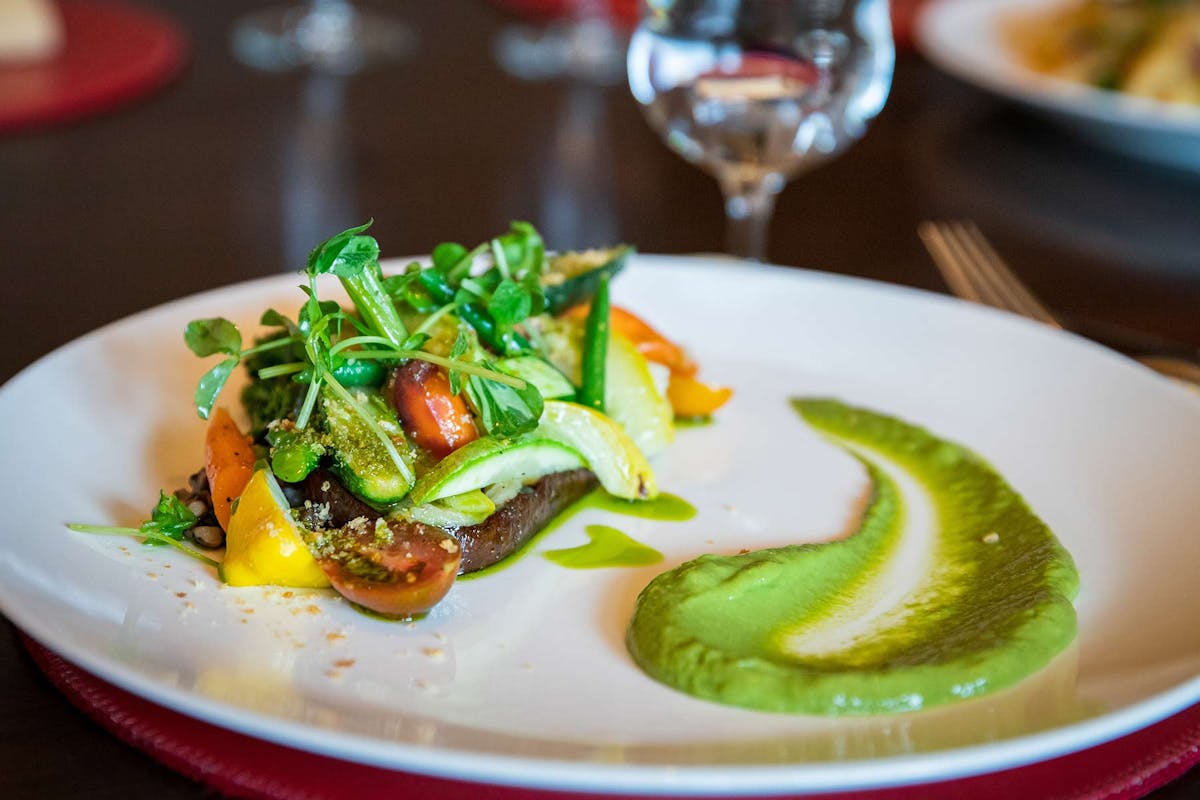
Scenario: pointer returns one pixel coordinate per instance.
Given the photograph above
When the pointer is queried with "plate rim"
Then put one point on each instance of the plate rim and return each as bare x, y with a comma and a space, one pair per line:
666, 780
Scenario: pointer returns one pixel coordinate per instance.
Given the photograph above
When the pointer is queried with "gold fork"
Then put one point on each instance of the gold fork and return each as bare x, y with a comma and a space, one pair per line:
975, 271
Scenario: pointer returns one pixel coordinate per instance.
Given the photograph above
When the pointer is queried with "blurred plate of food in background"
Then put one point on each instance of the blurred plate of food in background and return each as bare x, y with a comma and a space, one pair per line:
1121, 75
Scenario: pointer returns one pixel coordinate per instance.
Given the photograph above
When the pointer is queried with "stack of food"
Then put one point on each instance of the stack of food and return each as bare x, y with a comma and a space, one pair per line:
430, 428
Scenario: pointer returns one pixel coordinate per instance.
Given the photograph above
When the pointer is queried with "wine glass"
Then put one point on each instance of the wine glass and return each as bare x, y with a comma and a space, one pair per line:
756, 91
325, 36
584, 44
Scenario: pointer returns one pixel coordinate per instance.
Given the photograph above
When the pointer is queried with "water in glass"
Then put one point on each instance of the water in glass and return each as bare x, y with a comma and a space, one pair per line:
755, 91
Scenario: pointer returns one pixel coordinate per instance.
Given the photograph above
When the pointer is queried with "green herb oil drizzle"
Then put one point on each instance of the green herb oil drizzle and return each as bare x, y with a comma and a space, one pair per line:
607, 547
666, 507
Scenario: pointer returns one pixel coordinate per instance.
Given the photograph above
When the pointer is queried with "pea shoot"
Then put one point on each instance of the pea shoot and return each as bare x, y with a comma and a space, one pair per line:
169, 520
489, 290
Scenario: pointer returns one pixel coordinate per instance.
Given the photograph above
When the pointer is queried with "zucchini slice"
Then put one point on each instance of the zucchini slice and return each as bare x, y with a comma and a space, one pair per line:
633, 399
572, 278
360, 459
491, 460
609, 451
550, 383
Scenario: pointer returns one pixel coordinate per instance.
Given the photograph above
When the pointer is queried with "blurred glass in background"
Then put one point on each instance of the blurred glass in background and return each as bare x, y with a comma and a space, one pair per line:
755, 92
330, 36
578, 40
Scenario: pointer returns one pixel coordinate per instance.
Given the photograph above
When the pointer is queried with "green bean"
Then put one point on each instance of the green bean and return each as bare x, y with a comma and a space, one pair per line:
595, 348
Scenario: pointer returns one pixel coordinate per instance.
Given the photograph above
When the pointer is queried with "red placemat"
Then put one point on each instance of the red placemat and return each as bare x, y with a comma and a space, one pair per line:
238, 765
112, 54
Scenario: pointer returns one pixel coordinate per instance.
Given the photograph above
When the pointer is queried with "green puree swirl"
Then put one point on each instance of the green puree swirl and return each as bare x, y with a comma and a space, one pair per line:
993, 607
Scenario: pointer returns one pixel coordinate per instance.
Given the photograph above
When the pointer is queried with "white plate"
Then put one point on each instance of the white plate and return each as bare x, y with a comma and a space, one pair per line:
522, 677
964, 37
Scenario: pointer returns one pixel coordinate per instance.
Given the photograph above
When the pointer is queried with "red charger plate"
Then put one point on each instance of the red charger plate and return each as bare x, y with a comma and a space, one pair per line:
239, 765
113, 54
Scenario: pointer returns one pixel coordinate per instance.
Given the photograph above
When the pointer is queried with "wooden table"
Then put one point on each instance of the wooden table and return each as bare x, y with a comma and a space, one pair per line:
232, 174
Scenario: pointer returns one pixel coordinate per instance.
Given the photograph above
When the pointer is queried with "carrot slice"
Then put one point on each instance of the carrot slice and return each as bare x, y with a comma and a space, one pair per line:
692, 398
228, 462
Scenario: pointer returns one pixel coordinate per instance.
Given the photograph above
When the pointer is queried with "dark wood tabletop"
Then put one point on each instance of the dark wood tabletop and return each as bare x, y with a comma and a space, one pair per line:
231, 174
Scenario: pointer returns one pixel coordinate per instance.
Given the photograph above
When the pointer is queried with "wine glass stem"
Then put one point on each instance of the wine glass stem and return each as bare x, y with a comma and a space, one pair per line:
748, 209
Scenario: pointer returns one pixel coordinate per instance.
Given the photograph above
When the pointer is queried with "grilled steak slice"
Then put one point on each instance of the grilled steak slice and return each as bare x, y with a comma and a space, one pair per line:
331, 505
518, 520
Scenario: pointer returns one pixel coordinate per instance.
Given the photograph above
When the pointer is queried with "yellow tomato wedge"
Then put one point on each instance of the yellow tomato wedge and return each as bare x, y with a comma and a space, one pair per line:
263, 545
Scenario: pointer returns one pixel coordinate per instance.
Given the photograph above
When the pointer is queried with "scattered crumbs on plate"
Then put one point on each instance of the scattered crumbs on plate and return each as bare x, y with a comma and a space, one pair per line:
288, 595
152, 576
709, 541
242, 620
434, 653
421, 683
345, 663
247, 610
124, 549
441, 637
196, 584
166, 566
333, 674
181, 595
426, 733
334, 636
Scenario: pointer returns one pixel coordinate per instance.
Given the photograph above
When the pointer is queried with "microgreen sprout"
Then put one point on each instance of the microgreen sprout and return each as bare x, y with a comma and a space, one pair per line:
169, 520
490, 303
207, 337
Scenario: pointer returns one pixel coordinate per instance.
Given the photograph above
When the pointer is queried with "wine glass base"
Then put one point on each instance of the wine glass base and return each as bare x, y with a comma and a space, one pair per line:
329, 37
587, 51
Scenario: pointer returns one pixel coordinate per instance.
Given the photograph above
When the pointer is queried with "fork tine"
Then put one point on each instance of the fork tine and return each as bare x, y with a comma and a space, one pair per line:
975, 271
966, 274
948, 261
1000, 277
